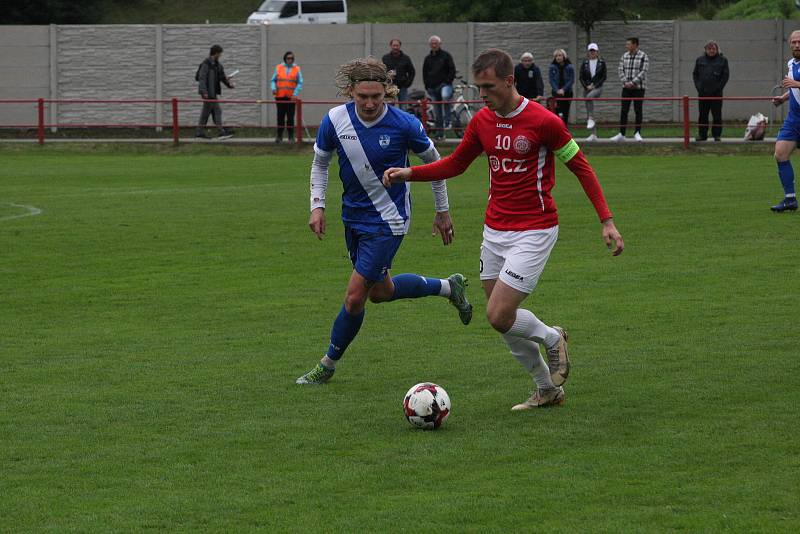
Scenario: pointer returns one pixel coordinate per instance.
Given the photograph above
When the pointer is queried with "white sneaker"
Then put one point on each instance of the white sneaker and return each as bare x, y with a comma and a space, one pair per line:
637, 137
592, 137
618, 137
590, 124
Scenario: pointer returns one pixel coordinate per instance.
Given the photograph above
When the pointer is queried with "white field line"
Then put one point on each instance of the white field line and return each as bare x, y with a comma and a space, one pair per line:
110, 192
32, 210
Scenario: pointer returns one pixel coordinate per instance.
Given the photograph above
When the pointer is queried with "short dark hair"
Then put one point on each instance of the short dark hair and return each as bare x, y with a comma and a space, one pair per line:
216, 49
634, 40
396, 39
288, 53
496, 59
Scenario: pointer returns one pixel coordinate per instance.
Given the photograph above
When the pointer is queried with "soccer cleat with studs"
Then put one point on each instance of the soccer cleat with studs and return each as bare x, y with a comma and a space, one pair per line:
542, 398
558, 359
318, 375
787, 204
458, 297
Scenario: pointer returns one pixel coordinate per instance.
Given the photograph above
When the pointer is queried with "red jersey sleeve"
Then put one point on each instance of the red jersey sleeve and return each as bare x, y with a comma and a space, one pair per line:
560, 141
591, 186
454, 164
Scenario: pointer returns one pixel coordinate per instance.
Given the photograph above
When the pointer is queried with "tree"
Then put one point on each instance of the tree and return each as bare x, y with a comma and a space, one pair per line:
585, 13
51, 12
485, 11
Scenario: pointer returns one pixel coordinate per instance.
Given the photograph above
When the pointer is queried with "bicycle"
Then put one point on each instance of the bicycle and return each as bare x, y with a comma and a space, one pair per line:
463, 109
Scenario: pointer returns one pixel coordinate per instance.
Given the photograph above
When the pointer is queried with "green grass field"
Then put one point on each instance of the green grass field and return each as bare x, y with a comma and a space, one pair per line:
154, 316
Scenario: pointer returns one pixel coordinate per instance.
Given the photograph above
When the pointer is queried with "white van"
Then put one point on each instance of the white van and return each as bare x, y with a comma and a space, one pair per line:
300, 12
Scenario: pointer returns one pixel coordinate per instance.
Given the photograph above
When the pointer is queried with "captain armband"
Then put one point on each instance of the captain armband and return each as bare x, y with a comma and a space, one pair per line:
568, 151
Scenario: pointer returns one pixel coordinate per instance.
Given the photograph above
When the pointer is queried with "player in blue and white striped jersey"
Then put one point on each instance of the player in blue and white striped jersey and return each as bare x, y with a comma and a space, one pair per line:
789, 135
369, 137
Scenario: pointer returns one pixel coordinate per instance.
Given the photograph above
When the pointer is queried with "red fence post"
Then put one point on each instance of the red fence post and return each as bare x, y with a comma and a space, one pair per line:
686, 133
424, 113
40, 133
176, 133
298, 121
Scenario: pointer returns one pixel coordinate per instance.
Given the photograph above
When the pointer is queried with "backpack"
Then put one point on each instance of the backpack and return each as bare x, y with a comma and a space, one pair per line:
197, 74
756, 128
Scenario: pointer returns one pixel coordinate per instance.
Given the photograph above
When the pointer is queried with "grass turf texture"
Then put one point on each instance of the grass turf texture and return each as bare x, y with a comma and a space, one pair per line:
154, 316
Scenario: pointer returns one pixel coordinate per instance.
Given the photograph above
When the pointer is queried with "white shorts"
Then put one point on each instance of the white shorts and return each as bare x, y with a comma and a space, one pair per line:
516, 258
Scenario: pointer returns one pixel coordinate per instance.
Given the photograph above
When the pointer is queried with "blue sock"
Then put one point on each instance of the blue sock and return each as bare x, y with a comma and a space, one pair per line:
786, 174
412, 286
344, 331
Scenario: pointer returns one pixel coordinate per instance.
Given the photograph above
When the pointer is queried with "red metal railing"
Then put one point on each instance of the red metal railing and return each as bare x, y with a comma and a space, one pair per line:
420, 107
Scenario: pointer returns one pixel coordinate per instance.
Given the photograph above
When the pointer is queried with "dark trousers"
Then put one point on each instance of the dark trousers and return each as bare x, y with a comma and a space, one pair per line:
285, 116
212, 109
562, 106
626, 107
715, 107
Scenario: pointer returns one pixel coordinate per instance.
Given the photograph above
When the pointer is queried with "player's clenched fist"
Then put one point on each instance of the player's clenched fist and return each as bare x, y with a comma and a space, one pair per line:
394, 175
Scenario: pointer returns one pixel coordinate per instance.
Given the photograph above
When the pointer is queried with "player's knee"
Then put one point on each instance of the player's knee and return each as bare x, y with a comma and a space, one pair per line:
500, 321
354, 303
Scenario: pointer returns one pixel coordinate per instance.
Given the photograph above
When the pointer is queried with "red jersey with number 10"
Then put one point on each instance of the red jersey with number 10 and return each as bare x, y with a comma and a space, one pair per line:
521, 151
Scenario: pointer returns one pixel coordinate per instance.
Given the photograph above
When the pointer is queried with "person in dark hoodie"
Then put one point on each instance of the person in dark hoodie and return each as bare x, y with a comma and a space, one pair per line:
562, 79
710, 76
528, 79
210, 77
402, 66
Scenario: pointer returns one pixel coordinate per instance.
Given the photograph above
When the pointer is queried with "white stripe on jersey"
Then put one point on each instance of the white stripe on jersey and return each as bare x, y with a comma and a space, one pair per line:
795, 93
539, 173
371, 182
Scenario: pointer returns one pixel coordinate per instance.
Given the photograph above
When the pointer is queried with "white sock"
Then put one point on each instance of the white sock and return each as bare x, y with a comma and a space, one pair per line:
527, 354
327, 362
529, 326
445, 290
791, 195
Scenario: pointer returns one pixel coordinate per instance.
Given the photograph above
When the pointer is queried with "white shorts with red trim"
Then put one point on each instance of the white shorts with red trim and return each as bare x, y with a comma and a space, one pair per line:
516, 258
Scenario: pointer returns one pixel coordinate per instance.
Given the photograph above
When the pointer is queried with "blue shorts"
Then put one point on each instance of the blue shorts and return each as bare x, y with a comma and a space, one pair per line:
790, 131
371, 254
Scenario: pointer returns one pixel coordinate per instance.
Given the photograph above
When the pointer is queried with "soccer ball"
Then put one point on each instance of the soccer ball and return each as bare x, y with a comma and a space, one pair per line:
426, 405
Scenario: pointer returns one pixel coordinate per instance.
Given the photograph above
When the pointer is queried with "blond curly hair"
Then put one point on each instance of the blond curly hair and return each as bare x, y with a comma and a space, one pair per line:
365, 70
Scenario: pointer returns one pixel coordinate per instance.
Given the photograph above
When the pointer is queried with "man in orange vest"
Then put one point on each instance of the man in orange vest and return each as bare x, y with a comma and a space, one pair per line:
286, 85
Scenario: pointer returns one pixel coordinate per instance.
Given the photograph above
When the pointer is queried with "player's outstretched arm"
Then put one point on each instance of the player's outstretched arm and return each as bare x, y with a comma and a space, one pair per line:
317, 222
395, 175
612, 237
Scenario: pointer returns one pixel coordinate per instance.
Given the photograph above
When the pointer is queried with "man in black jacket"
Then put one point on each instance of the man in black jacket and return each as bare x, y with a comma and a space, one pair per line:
528, 79
403, 69
592, 76
438, 73
710, 76
210, 76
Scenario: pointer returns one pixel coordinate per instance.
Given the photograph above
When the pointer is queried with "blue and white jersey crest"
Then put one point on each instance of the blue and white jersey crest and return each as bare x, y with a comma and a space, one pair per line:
365, 150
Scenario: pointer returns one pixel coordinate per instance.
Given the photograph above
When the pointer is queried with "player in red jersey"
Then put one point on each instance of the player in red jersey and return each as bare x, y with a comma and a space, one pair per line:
522, 141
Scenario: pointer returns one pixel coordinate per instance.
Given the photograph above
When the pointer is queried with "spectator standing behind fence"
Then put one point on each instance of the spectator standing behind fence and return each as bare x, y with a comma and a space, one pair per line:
528, 79
633, 67
592, 76
710, 76
287, 82
562, 79
438, 73
210, 77
402, 66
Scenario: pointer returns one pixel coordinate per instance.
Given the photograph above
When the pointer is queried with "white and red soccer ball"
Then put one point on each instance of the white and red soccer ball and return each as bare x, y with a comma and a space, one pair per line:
426, 405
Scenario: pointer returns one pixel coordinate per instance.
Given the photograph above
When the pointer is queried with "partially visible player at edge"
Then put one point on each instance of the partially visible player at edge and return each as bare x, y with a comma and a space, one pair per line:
369, 137
522, 140
790, 131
